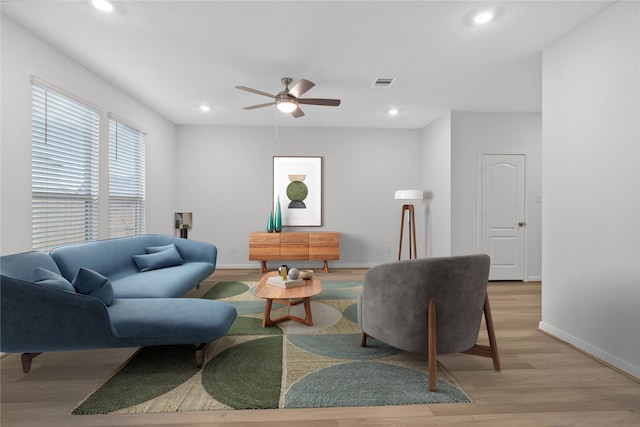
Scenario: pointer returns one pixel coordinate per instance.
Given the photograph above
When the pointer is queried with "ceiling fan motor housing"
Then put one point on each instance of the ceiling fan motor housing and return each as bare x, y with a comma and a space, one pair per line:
284, 96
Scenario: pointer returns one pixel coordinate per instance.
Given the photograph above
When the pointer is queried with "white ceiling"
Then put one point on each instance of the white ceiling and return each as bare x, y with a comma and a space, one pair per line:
175, 55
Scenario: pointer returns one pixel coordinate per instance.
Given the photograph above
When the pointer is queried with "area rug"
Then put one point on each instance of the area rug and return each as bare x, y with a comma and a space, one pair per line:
285, 366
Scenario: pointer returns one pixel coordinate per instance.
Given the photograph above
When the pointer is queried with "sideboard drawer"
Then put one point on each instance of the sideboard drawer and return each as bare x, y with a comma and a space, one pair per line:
264, 246
290, 238
294, 246
324, 246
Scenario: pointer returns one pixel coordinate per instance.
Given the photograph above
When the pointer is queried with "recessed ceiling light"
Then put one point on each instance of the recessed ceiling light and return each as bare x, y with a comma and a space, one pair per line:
102, 5
483, 17
205, 108
392, 111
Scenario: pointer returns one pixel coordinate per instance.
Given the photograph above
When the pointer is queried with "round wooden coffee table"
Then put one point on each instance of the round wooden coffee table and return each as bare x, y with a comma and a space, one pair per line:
288, 297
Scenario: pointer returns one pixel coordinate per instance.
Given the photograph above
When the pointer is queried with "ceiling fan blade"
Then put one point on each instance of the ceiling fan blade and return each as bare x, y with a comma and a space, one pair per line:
297, 113
319, 101
253, 107
301, 87
256, 91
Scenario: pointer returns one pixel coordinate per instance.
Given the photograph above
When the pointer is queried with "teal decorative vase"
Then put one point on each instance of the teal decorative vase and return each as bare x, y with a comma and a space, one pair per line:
270, 222
278, 219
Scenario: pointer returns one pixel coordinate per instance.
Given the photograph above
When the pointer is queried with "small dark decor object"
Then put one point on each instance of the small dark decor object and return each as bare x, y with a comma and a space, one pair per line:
184, 221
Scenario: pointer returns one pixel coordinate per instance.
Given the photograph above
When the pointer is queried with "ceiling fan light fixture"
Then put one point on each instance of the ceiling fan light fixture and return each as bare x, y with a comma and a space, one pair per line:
287, 106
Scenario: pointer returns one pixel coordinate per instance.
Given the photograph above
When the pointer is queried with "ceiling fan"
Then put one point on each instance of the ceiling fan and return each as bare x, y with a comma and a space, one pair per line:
289, 99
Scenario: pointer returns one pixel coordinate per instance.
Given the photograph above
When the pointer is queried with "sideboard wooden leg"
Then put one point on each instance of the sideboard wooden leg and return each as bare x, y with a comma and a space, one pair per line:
325, 269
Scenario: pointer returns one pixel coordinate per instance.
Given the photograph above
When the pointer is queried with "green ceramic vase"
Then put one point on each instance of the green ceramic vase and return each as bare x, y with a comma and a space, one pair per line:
278, 217
270, 222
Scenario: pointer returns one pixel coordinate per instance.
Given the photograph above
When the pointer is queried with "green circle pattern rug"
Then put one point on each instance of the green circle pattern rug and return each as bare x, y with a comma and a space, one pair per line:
368, 384
284, 366
247, 376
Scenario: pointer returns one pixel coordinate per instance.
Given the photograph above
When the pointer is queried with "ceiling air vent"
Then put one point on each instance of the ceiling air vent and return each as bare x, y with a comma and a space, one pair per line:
383, 82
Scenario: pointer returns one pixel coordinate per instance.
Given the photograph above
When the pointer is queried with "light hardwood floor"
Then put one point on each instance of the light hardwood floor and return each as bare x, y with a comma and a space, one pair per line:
543, 382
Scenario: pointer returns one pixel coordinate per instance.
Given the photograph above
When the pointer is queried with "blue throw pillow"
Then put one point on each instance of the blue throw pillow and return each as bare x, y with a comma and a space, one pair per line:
45, 277
167, 258
156, 249
93, 284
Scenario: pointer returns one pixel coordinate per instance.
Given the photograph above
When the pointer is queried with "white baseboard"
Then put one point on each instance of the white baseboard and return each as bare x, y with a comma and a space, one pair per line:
602, 355
534, 279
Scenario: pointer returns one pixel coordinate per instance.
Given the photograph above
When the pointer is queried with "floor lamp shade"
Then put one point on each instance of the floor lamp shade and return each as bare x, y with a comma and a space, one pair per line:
408, 208
409, 195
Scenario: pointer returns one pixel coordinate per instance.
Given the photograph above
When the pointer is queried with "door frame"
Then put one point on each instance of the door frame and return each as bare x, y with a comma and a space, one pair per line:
479, 203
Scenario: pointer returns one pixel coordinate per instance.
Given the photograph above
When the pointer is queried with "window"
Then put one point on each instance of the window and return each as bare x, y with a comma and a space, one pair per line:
64, 169
126, 180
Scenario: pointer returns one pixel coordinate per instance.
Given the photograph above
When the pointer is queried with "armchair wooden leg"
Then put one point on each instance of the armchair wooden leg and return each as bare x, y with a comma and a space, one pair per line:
493, 344
27, 358
492, 349
431, 337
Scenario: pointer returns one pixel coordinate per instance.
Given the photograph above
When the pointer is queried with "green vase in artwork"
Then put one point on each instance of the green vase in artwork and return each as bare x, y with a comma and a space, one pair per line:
270, 222
278, 217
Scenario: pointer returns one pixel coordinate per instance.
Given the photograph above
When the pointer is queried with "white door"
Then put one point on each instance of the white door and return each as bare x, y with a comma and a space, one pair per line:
502, 214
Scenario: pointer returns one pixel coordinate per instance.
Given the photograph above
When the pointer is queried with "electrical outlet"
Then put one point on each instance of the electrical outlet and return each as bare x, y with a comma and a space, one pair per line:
388, 249
232, 251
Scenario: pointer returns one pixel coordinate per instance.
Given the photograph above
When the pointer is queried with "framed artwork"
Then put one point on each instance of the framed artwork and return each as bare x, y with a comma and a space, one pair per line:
297, 181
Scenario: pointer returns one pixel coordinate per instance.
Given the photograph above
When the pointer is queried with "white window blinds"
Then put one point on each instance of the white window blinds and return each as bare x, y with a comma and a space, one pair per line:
64, 169
126, 180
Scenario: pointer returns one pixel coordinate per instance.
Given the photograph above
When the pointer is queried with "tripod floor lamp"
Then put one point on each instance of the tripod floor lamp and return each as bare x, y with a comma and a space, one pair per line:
409, 210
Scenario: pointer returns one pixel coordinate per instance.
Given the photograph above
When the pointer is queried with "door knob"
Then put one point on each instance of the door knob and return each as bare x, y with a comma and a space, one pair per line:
522, 224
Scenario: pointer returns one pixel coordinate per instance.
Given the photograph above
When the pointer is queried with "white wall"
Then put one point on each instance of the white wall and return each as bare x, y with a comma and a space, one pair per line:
23, 55
185, 167
225, 179
591, 229
452, 146
474, 134
436, 181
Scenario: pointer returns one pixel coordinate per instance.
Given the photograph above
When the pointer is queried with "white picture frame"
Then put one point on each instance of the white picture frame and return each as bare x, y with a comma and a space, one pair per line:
292, 178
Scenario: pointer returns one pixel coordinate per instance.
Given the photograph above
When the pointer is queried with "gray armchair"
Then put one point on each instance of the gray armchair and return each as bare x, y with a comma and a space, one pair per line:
430, 306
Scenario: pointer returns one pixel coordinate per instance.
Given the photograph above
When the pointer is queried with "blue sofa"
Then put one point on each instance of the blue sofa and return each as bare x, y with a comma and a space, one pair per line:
109, 293
114, 258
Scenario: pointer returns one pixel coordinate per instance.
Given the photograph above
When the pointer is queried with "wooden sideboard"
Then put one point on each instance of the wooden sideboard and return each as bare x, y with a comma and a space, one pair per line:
294, 246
